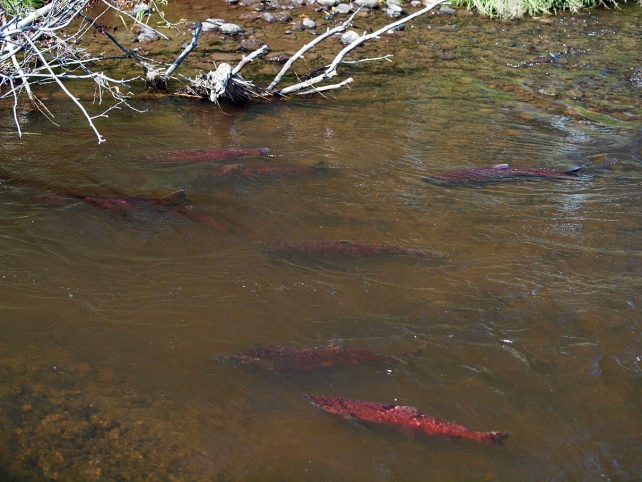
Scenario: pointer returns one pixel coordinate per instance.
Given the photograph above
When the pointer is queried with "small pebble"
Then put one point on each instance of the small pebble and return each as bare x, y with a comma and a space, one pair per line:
308, 24
230, 29
327, 3
367, 3
146, 34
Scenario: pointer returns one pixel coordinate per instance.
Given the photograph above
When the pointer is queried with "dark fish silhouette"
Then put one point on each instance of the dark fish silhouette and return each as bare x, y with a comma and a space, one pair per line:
175, 202
499, 172
272, 172
294, 358
208, 155
354, 249
409, 418
128, 203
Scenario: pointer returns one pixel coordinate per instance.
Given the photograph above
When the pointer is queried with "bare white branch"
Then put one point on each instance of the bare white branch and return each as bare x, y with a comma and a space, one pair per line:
246, 60
75, 100
331, 69
316, 90
307, 47
15, 107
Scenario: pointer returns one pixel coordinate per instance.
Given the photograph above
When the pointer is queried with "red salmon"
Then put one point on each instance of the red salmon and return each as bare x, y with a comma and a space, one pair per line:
409, 418
120, 203
294, 358
355, 249
499, 172
208, 155
273, 172
175, 202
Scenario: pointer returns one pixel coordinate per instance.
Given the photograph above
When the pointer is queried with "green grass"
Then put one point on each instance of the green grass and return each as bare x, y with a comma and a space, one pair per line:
21, 7
520, 8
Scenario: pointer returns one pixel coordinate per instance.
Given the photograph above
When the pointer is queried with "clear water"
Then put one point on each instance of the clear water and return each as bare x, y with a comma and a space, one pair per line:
112, 325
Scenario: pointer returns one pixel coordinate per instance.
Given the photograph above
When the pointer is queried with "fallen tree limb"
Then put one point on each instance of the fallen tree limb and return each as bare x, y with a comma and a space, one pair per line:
307, 47
331, 71
226, 82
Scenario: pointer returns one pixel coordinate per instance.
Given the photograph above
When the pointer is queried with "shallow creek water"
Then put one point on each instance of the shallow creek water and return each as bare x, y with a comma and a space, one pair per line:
113, 325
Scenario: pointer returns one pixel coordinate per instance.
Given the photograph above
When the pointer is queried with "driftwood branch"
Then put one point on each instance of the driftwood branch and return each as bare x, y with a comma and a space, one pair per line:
307, 47
39, 47
316, 90
192, 45
331, 71
63, 88
226, 82
246, 60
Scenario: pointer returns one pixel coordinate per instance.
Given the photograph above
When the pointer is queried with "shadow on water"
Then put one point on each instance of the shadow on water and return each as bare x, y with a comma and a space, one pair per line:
114, 320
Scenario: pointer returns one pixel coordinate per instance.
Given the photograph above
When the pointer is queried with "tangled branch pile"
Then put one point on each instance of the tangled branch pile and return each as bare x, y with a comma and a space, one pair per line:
36, 47
40, 46
226, 82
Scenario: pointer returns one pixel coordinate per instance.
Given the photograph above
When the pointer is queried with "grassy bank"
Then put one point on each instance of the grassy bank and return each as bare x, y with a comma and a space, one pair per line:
520, 8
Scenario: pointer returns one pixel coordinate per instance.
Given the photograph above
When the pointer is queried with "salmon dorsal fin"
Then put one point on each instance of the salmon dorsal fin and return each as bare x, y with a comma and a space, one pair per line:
177, 197
501, 166
574, 170
406, 409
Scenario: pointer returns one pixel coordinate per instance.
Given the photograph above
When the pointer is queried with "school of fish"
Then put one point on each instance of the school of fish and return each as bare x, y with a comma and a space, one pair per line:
292, 358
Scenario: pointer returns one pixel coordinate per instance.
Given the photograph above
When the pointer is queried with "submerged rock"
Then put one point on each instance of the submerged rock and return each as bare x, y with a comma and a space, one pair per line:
210, 26
251, 44
393, 11
367, 3
308, 24
230, 29
146, 34
636, 78
279, 58
447, 11
285, 4
141, 9
279, 17
220, 25
328, 3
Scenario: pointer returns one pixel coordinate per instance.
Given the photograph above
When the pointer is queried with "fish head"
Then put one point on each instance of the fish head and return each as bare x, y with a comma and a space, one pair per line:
176, 198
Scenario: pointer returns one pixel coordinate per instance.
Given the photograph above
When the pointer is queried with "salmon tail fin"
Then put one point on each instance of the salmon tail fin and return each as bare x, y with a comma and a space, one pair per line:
574, 170
499, 437
177, 197
308, 398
